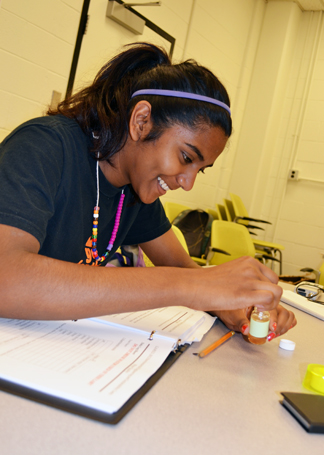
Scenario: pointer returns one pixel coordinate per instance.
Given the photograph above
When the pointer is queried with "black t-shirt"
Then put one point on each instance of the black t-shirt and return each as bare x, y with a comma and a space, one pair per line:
48, 188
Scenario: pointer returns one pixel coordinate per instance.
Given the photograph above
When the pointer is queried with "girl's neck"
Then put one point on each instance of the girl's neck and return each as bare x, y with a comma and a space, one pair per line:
114, 173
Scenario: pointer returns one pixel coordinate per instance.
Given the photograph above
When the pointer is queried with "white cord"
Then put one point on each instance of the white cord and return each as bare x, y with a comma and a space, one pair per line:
97, 174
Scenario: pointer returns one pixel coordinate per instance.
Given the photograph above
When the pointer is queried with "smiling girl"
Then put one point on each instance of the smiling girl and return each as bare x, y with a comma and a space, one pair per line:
85, 179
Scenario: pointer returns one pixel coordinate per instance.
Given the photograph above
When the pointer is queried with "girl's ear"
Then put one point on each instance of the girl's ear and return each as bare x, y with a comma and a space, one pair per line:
140, 122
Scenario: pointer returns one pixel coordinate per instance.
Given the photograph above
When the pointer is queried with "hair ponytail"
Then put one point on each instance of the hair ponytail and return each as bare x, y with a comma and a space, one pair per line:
101, 108
104, 107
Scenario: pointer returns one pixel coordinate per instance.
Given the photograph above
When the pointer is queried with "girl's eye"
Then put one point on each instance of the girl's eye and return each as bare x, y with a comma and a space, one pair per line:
202, 171
186, 158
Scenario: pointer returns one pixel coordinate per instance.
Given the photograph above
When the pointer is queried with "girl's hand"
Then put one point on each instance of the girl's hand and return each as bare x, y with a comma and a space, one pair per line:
281, 320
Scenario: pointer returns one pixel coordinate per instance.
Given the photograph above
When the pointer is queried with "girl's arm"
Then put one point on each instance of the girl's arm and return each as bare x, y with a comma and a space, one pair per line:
33, 286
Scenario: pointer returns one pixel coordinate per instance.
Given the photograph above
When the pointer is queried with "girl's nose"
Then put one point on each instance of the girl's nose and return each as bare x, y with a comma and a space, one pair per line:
186, 181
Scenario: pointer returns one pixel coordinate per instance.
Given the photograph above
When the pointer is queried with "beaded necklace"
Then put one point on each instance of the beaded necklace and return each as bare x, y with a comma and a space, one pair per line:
94, 236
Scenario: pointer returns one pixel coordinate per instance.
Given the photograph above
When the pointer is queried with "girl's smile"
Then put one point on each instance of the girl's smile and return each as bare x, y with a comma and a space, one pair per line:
163, 185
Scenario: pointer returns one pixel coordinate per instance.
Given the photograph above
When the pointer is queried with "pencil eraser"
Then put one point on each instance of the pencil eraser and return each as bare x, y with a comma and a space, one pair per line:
287, 345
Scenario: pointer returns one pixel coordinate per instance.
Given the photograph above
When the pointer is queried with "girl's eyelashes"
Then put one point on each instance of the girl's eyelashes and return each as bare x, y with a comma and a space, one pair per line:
186, 158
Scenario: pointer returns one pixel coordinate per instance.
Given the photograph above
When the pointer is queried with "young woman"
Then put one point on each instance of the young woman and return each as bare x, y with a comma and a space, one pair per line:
144, 127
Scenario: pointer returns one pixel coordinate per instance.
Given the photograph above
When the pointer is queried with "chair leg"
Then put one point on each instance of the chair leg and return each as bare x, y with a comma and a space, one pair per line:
274, 252
280, 263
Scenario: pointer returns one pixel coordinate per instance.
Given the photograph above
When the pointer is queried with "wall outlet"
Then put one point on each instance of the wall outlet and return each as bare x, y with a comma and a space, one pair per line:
293, 174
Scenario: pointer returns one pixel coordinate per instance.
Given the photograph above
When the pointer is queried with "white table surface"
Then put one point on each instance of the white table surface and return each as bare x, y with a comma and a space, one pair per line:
226, 403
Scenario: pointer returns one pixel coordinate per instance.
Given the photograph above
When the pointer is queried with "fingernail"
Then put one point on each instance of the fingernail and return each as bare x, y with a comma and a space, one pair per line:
271, 336
274, 326
244, 327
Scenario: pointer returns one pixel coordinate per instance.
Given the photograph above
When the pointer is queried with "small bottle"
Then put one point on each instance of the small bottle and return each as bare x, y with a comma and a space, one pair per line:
259, 326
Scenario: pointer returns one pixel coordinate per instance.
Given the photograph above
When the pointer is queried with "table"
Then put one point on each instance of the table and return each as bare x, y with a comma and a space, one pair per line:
226, 403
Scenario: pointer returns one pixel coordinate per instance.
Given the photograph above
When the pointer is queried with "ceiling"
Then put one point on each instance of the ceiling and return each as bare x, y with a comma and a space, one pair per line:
306, 5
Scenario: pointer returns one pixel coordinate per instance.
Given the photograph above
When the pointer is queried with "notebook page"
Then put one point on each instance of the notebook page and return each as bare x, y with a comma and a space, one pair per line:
85, 362
176, 322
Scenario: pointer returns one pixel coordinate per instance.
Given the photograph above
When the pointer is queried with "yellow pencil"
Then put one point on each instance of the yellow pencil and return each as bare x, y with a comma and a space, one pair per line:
216, 344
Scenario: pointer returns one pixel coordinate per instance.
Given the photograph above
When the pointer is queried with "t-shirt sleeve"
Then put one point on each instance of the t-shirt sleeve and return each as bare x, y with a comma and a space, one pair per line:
150, 223
31, 161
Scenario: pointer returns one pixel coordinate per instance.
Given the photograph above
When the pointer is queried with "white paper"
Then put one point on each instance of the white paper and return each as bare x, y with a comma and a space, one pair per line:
85, 362
180, 323
99, 363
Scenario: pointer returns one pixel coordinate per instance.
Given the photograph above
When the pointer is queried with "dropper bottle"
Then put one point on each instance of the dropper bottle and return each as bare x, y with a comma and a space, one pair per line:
259, 326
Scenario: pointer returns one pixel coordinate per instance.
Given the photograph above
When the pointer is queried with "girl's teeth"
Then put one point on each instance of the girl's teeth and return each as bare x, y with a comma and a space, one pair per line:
163, 184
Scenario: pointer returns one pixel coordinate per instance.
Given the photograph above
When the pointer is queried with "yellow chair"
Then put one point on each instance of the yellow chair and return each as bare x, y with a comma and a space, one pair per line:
229, 209
213, 213
230, 241
221, 212
172, 210
241, 216
226, 212
231, 238
319, 274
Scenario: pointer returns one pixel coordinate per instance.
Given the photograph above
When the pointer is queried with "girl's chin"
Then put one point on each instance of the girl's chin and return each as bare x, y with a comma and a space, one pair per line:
149, 200
151, 196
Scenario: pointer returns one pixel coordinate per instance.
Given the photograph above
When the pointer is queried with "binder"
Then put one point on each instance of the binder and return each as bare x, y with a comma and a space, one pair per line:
85, 411
96, 368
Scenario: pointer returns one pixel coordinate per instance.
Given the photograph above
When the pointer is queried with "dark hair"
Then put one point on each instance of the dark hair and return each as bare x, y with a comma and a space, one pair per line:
104, 108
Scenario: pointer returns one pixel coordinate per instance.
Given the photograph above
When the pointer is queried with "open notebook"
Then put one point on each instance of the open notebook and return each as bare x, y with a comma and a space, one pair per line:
98, 368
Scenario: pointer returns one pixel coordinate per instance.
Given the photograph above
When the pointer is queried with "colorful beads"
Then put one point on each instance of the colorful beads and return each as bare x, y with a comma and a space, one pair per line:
94, 237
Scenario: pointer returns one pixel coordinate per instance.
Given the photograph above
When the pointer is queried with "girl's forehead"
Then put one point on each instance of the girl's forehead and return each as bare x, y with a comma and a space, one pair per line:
204, 144
205, 135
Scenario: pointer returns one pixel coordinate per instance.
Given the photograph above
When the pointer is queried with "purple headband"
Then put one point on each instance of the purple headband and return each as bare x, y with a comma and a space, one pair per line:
177, 94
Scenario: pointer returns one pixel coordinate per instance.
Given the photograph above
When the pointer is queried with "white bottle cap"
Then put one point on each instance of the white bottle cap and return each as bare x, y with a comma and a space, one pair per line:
287, 345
